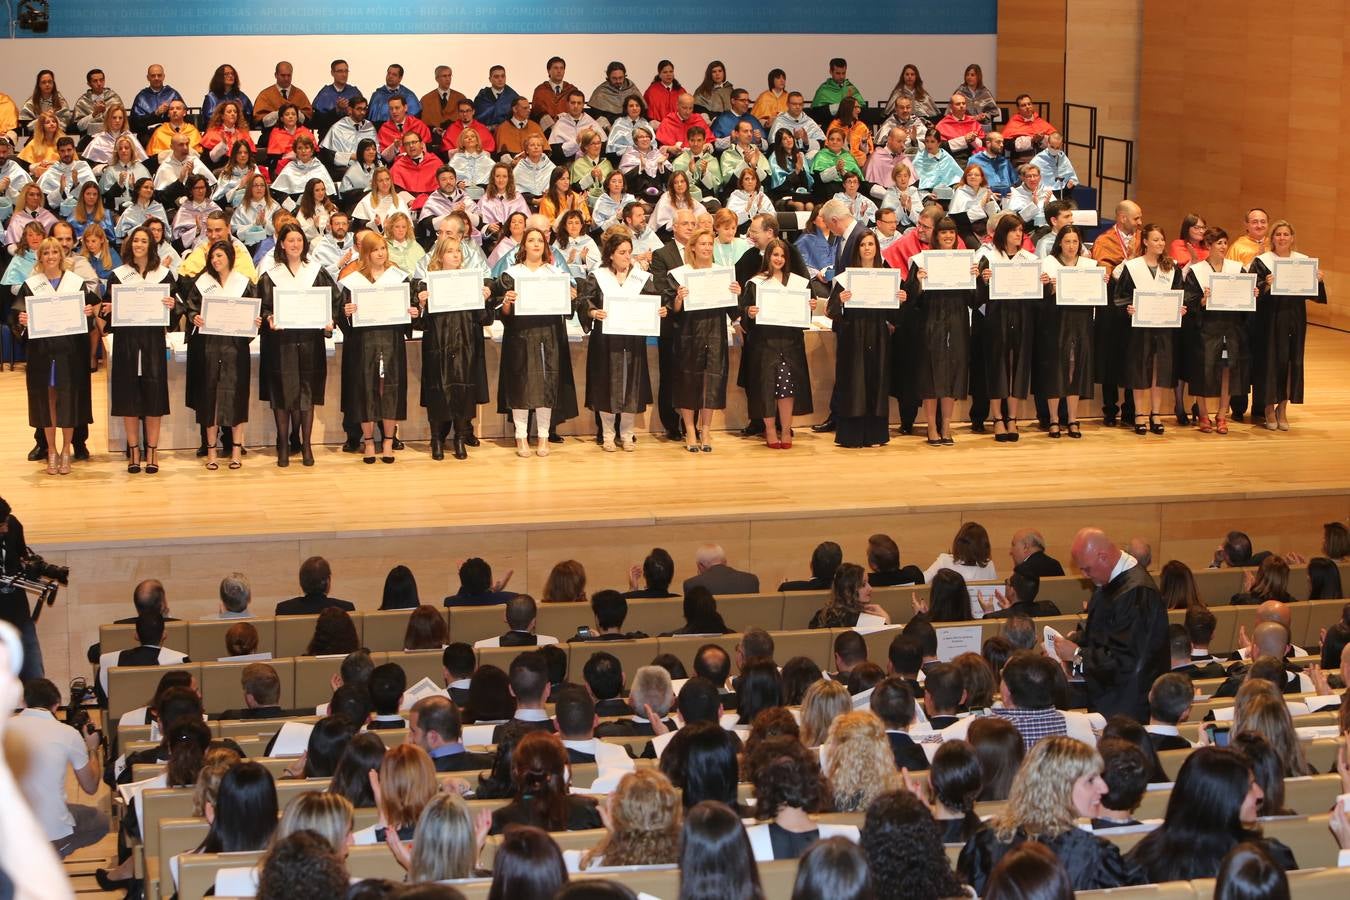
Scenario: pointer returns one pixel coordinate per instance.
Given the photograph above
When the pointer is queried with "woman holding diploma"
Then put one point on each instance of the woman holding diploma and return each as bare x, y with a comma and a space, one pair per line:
618, 383
700, 346
138, 380
536, 364
58, 367
295, 369
777, 384
1281, 330
1007, 333
943, 368
1063, 341
863, 357
219, 393
1219, 358
376, 382
1150, 353
454, 364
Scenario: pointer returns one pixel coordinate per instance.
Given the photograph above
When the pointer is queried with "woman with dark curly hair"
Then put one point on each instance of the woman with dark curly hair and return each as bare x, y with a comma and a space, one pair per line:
300, 867
776, 721
644, 814
334, 634
788, 790
904, 850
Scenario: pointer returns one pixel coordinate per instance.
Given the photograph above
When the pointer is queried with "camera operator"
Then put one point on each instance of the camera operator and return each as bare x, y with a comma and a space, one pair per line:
13, 601
40, 747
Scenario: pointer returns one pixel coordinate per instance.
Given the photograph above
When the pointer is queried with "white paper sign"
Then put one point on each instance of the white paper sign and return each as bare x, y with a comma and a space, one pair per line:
543, 294
384, 305
783, 306
140, 306
56, 315
1295, 277
948, 270
1085, 218
1232, 292
1080, 287
709, 288
230, 316
634, 315
310, 307
1157, 309
1015, 279
872, 288
454, 290
954, 641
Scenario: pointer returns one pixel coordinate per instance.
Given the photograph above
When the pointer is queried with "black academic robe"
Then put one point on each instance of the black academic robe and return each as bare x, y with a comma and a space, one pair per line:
617, 376
701, 357
747, 267
1008, 338
536, 362
1150, 353
863, 365
1124, 644
772, 347
293, 365
374, 357
454, 362
942, 325
218, 367
1092, 863
463, 762
1219, 339
1062, 344
1279, 335
138, 379
60, 362
908, 754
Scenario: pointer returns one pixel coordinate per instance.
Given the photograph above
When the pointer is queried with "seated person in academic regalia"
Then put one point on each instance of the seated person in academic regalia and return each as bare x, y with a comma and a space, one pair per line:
457, 664
850, 651
516, 129
530, 686
1200, 624
651, 695
610, 609
316, 580
492, 104
883, 564
262, 695
415, 170
1169, 704
604, 678
1125, 769
729, 120
148, 652
162, 137
944, 693
825, 561
570, 123
387, 684
577, 720
1182, 656
893, 703
521, 612
434, 725
401, 122
961, 134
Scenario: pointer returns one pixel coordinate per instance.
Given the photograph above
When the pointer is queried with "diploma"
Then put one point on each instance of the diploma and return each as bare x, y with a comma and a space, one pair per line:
948, 270
230, 316
637, 315
455, 290
310, 307
1232, 292
1157, 309
1015, 279
1080, 287
139, 306
872, 288
1295, 277
56, 315
709, 288
381, 306
543, 294
781, 305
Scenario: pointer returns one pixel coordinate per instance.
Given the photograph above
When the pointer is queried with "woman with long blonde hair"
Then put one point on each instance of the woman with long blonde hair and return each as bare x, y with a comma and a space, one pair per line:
1259, 707
823, 702
642, 818
859, 762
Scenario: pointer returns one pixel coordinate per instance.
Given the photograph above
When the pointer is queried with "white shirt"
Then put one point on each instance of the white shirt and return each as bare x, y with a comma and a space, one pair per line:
39, 748
608, 757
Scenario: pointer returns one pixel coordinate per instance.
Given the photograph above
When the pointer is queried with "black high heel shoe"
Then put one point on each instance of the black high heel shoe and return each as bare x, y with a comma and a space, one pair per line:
1155, 427
134, 467
368, 458
152, 460
108, 885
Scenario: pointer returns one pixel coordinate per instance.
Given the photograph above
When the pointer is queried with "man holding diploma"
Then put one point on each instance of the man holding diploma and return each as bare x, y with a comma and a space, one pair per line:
777, 382
1286, 280
1219, 363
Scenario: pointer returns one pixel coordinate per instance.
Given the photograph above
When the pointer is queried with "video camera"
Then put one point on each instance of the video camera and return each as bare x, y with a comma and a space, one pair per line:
38, 577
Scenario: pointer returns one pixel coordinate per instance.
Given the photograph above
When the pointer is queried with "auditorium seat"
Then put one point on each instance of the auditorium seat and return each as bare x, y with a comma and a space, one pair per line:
206, 639
385, 629
221, 690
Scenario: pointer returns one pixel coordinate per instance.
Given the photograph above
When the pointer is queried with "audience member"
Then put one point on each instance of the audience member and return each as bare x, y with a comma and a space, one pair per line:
1000, 749
1169, 704
716, 860
434, 724
894, 705
883, 564
825, 561
657, 571
235, 595
529, 683
1126, 771
858, 760
426, 630
400, 590
302, 866
334, 634
316, 580
642, 827
903, 846
788, 790
718, 577
521, 615
476, 587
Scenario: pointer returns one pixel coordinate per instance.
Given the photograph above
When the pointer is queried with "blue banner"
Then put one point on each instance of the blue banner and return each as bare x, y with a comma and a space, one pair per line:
137, 18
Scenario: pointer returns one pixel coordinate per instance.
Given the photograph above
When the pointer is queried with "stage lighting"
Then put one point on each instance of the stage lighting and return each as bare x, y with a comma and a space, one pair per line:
34, 15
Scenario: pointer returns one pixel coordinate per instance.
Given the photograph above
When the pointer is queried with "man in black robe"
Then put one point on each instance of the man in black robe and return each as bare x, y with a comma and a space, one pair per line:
668, 257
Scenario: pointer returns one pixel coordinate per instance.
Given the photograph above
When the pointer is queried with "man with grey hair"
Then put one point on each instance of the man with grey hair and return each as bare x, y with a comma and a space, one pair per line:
1141, 550
1028, 552
840, 223
718, 577
235, 596
652, 695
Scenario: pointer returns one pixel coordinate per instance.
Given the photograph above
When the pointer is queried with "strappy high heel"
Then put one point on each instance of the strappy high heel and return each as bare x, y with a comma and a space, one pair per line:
152, 460
134, 467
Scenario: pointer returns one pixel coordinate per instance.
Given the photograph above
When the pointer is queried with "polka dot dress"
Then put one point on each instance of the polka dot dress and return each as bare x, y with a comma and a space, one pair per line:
784, 383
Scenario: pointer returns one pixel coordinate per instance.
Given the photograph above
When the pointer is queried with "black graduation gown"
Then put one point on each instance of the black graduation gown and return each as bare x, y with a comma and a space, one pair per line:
536, 362
1007, 344
1279, 337
454, 362
218, 367
66, 357
374, 357
1147, 349
942, 321
1124, 644
1092, 862
864, 366
138, 374
617, 376
772, 346
1218, 341
293, 365
701, 357
1063, 346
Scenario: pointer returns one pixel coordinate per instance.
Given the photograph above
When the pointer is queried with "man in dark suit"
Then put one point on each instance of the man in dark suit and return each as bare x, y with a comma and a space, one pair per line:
148, 596
150, 634
847, 231
717, 576
670, 256
883, 564
457, 664
825, 561
893, 704
1270, 648
530, 687
1018, 597
387, 684
944, 692
316, 580
14, 602
850, 651
603, 674
434, 725
650, 696
476, 587
713, 662
577, 721
262, 695
521, 613
905, 657
610, 609
1182, 656
1028, 550
1169, 703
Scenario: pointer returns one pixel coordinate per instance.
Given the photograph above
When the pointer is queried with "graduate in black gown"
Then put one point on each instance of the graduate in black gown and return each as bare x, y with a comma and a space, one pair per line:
701, 356
375, 386
1063, 364
219, 394
536, 362
1150, 353
1219, 363
942, 322
1280, 331
1008, 329
138, 374
454, 362
57, 372
777, 383
296, 370
863, 363
618, 382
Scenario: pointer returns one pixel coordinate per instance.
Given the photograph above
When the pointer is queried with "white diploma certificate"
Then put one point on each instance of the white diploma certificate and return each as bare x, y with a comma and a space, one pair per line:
1295, 277
709, 288
1157, 309
230, 316
455, 290
872, 288
1080, 287
782, 305
1233, 292
139, 306
56, 315
543, 294
381, 305
948, 270
1015, 279
633, 315
310, 307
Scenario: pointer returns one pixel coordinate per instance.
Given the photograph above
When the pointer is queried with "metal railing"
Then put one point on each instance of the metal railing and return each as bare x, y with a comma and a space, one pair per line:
1115, 167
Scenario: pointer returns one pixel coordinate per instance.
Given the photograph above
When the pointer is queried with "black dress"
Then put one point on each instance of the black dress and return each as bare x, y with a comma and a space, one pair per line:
775, 364
56, 362
617, 376
138, 378
863, 371
536, 363
454, 362
700, 352
1063, 344
1092, 863
1218, 339
375, 358
944, 347
1007, 342
1147, 349
218, 367
293, 369
1279, 336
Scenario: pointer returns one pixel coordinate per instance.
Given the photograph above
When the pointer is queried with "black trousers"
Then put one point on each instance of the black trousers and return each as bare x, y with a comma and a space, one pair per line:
666, 364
